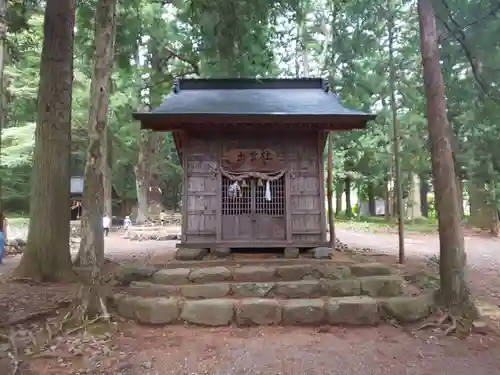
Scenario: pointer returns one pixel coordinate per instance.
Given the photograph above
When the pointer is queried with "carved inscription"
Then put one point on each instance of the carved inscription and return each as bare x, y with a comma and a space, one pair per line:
248, 160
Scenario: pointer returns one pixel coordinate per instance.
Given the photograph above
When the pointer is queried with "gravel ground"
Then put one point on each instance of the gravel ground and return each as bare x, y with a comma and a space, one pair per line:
300, 351
483, 255
182, 350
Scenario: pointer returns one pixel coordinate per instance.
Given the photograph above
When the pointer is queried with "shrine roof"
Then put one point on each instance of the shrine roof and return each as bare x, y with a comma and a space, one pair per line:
278, 98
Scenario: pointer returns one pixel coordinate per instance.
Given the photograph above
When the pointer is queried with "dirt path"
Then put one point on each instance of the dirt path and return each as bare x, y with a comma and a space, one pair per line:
382, 350
483, 255
481, 251
116, 247
305, 351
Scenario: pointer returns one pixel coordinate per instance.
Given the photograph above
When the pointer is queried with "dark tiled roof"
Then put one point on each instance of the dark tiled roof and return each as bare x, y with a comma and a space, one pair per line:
252, 97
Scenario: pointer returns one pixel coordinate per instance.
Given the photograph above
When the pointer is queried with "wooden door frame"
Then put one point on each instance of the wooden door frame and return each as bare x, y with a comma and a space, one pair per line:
253, 216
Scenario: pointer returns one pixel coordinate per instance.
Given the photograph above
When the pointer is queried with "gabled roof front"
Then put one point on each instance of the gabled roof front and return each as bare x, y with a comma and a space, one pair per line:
254, 99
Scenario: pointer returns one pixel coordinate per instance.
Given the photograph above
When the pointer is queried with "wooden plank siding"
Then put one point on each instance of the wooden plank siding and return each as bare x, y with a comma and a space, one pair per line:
303, 220
202, 201
307, 209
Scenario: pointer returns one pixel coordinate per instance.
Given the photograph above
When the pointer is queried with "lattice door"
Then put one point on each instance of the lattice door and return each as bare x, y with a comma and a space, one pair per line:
251, 210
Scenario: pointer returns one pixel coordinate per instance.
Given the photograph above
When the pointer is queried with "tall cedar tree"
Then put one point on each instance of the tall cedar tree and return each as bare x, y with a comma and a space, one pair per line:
455, 293
91, 302
47, 256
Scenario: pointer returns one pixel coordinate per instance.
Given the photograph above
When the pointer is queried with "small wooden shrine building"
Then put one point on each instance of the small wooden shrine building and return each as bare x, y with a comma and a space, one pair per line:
252, 152
76, 195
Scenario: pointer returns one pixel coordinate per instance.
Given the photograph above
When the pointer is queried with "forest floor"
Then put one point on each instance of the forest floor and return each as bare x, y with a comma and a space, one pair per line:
126, 348
379, 225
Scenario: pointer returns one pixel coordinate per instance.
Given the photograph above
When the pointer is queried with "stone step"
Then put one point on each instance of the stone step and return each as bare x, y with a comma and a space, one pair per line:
373, 286
361, 310
250, 273
252, 262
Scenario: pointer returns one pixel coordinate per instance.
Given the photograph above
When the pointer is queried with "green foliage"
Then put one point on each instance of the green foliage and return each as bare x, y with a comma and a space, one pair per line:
17, 146
345, 41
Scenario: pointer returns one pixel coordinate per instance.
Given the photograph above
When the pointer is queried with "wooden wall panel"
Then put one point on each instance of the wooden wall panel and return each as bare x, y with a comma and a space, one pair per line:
304, 203
202, 202
307, 238
303, 209
306, 223
305, 194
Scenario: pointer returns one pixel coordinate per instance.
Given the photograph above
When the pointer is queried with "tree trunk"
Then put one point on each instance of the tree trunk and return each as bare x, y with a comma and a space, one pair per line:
305, 52
3, 32
91, 301
455, 293
394, 109
339, 191
371, 200
107, 144
387, 199
3, 101
47, 256
331, 222
143, 175
424, 191
414, 204
480, 208
460, 197
106, 172
348, 206
494, 211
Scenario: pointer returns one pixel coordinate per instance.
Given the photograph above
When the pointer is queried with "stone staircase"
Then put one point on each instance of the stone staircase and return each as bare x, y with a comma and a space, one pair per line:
270, 292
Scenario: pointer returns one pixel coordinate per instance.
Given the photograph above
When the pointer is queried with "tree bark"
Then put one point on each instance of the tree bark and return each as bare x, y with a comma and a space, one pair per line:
3, 32
387, 200
414, 205
143, 175
455, 293
107, 144
348, 205
424, 191
146, 163
371, 199
460, 196
339, 191
91, 301
481, 210
305, 52
331, 223
47, 256
3, 102
394, 110
494, 211
106, 173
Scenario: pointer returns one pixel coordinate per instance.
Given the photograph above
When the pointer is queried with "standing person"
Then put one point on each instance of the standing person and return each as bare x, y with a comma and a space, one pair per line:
127, 223
3, 235
163, 217
106, 222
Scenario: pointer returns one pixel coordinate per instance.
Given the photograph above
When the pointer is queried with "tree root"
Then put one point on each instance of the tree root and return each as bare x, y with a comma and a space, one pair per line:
35, 314
86, 324
25, 280
447, 323
13, 354
15, 363
90, 308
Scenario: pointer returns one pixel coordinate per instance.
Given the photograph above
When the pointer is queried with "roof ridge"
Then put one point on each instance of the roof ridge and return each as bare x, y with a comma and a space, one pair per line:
250, 83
